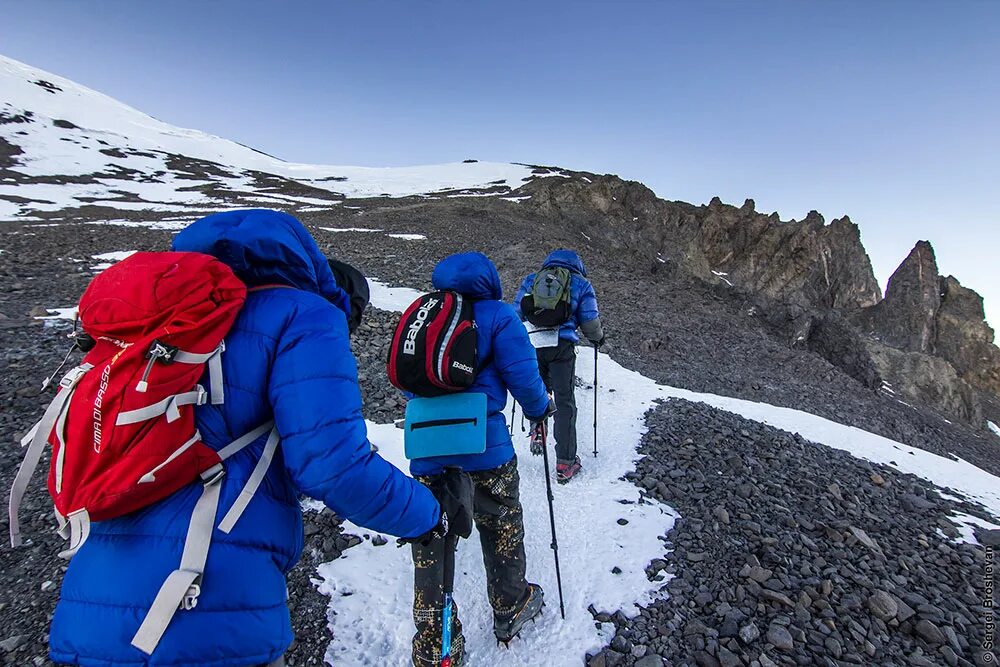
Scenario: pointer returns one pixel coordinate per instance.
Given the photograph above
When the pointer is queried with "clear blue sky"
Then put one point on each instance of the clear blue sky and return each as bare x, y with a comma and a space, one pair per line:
887, 111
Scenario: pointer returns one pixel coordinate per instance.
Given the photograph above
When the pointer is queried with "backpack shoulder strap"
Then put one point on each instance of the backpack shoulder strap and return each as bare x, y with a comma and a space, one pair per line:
35, 441
256, 476
182, 587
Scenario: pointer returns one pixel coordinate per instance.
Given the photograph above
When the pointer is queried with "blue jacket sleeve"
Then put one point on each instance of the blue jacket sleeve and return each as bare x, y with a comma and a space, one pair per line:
525, 286
517, 362
586, 307
314, 393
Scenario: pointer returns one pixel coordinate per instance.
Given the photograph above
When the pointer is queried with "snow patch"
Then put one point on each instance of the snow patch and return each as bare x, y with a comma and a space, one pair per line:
722, 276
349, 229
109, 258
967, 525
408, 237
9, 210
994, 428
165, 224
68, 313
393, 299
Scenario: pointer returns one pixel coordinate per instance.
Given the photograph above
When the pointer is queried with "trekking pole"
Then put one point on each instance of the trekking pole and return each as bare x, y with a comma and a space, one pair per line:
450, 544
513, 410
552, 518
595, 401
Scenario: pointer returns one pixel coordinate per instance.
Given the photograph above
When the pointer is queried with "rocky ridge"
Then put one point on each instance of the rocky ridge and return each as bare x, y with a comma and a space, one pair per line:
807, 263
812, 281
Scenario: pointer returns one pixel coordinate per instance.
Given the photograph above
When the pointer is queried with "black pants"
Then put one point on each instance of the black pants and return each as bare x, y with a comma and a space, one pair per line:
499, 520
557, 366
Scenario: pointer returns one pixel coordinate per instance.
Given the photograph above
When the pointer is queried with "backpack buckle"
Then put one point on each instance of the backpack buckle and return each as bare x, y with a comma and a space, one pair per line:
202, 395
190, 599
160, 350
72, 377
213, 475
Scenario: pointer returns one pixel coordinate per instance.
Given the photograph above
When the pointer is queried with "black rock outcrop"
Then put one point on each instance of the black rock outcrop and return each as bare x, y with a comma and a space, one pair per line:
809, 263
927, 314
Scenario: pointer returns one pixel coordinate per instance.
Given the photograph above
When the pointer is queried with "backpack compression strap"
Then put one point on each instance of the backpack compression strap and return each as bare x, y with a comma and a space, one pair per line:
182, 587
35, 441
214, 361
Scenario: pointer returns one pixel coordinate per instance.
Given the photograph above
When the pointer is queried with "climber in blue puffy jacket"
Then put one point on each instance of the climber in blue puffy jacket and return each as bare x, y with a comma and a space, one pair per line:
287, 359
506, 362
557, 357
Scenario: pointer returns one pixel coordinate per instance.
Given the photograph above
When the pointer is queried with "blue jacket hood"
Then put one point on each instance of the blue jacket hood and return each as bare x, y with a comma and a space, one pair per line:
469, 273
264, 247
567, 259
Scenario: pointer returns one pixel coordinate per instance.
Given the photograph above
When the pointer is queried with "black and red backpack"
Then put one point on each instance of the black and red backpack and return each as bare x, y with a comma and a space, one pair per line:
433, 350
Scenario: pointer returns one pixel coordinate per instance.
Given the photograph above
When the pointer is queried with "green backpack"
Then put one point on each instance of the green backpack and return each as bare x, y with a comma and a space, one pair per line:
549, 303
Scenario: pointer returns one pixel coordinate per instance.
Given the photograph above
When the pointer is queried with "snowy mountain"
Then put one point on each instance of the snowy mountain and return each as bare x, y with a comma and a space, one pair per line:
64, 146
764, 494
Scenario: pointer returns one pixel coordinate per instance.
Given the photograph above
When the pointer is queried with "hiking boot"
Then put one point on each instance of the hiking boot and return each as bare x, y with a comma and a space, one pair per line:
508, 626
567, 471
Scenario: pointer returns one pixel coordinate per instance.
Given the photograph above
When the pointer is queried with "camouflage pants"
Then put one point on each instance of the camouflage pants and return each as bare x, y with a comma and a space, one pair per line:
499, 520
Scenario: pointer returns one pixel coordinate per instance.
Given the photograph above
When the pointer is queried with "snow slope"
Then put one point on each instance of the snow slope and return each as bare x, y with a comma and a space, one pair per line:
80, 146
371, 586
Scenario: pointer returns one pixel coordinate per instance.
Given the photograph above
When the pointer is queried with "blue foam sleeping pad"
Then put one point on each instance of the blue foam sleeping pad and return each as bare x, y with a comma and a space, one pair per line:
445, 425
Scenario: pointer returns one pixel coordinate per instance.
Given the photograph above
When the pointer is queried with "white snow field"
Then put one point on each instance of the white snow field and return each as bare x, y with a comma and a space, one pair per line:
371, 587
63, 127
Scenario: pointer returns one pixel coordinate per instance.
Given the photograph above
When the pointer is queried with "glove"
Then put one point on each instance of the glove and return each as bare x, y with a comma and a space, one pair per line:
454, 490
438, 532
539, 428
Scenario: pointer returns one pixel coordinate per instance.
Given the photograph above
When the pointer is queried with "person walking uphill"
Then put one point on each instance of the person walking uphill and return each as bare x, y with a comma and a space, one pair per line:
506, 362
569, 304
286, 360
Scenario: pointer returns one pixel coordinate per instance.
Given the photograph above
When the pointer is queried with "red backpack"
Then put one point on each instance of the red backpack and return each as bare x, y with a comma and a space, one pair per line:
122, 425
433, 349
